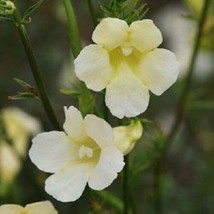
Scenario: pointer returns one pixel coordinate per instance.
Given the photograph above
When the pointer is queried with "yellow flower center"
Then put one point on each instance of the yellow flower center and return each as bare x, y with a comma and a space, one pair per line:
85, 151
126, 49
89, 151
125, 54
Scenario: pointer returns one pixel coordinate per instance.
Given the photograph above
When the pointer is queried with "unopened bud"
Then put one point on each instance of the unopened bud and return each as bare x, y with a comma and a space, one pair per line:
7, 7
126, 136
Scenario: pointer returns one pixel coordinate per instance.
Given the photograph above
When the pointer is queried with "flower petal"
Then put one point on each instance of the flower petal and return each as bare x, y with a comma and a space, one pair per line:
110, 33
126, 95
73, 125
99, 130
144, 35
50, 151
11, 209
10, 163
125, 137
92, 66
110, 163
158, 70
69, 183
44, 207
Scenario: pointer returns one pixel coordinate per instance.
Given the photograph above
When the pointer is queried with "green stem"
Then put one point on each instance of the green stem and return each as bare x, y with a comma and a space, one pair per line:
187, 86
35, 69
91, 9
72, 28
157, 189
126, 186
180, 109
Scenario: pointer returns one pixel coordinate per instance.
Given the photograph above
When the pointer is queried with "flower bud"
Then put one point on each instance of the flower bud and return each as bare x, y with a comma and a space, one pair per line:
126, 136
7, 7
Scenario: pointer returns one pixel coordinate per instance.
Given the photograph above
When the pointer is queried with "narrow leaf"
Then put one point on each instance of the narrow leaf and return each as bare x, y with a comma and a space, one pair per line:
31, 9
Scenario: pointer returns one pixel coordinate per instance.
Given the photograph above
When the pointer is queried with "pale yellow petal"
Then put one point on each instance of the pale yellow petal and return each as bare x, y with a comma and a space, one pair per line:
110, 33
19, 126
10, 163
44, 207
93, 67
99, 130
69, 183
125, 137
158, 70
144, 35
126, 96
11, 209
109, 165
51, 151
73, 124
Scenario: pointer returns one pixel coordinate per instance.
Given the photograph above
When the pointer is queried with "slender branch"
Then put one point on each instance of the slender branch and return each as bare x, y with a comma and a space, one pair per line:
72, 28
126, 186
157, 189
180, 109
91, 9
187, 86
35, 69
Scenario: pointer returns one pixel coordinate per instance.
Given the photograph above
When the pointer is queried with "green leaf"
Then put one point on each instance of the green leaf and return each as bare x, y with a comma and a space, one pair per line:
23, 83
31, 10
72, 93
83, 95
6, 19
111, 199
22, 96
128, 10
86, 101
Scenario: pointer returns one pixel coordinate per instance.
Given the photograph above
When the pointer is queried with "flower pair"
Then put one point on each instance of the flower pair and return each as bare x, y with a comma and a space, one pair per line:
126, 61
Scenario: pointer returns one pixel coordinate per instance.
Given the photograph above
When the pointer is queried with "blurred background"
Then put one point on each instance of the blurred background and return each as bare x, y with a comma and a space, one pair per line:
187, 179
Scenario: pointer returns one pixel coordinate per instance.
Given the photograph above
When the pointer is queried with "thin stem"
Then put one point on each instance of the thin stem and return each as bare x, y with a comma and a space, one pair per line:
132, 203
157, 189
180, 109
91, 9
187, 86
72, 28
126, 186
35, 69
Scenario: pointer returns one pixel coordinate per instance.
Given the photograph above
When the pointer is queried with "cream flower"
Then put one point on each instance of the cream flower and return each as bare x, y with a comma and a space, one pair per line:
19, 126
84, 153
44, 207
126, 61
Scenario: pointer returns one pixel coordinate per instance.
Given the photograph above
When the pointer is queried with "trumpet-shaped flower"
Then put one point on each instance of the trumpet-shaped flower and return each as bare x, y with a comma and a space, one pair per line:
126, 61
44, 207
85, 153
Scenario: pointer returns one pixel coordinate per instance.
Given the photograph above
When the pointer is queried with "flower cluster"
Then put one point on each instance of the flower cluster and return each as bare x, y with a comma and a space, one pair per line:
127, 63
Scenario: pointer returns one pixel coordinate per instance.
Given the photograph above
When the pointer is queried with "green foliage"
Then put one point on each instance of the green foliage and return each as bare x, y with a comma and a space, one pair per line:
84, 97
149, 155
129, 10
31, 10
7, 9
102, 198
6, 18
30, 91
